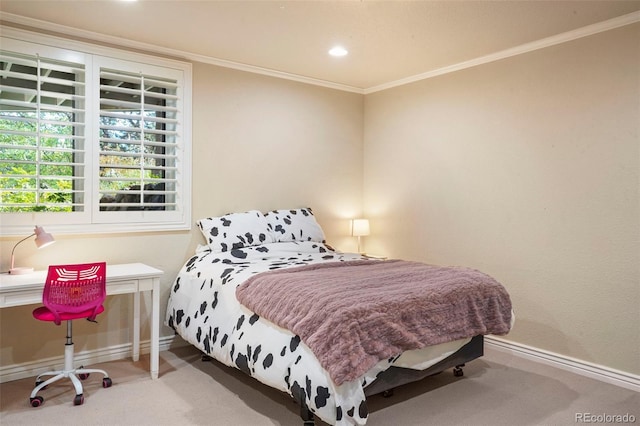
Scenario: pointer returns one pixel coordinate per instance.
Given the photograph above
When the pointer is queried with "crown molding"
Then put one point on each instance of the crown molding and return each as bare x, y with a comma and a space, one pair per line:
586, 31
39, 25
599, 27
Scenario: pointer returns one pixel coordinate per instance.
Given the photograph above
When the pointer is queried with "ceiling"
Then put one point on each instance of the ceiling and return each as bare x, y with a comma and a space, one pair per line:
388, 41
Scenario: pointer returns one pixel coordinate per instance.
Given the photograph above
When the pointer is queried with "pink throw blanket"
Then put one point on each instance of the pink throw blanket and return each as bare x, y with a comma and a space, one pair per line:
354, 314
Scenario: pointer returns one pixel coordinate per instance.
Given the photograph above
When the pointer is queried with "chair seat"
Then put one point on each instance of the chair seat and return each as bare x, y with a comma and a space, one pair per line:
44, 314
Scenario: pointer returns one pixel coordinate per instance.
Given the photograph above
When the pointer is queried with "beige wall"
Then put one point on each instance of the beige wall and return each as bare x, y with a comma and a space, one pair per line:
266, 143
528, 169
258, 143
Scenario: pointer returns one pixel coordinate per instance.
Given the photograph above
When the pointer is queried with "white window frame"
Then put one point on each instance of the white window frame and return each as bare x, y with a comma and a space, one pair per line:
92, 220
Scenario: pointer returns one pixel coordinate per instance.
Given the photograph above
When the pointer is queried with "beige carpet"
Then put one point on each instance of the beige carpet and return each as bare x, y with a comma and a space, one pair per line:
497, 389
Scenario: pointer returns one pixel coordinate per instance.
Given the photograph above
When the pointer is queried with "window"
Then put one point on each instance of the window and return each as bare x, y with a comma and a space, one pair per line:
91, 142
41, 125
137, 142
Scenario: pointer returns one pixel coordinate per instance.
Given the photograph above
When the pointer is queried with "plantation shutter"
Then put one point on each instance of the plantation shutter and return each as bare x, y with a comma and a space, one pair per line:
42, 134
92, 139
138, 149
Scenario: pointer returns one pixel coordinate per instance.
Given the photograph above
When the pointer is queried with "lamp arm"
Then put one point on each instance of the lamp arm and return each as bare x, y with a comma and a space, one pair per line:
18, 243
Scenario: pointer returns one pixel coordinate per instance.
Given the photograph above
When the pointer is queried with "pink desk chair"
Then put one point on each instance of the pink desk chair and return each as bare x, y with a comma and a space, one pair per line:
71, 292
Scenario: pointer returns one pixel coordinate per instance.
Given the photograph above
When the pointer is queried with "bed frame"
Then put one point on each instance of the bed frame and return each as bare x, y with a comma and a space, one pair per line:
397, 376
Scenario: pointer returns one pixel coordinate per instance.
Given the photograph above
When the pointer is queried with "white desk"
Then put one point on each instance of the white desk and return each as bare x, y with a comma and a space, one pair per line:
18, 290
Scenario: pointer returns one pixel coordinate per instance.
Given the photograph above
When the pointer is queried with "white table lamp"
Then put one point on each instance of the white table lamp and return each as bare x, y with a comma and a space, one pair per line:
359, 228
43, 239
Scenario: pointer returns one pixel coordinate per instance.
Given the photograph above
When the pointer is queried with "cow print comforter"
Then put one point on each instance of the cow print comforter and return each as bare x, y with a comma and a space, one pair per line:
203, 309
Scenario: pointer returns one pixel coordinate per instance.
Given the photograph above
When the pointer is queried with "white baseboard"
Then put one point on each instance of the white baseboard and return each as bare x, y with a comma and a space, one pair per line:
113, 353
32, 369
583, 368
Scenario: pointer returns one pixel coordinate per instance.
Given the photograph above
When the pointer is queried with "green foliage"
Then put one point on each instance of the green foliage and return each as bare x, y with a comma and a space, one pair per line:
21, 189
37, 171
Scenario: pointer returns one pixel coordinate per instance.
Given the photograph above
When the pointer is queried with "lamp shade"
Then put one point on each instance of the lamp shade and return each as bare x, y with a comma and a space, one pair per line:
360, 227
43, 238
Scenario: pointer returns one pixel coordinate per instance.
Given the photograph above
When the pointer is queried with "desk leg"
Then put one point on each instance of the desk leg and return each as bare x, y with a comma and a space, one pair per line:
136, 327
155, 328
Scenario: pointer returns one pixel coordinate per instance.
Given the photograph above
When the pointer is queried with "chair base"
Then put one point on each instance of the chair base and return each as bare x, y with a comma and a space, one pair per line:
74, 374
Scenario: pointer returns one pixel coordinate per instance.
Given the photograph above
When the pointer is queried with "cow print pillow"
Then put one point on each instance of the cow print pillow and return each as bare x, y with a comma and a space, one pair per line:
294, 225
236, 230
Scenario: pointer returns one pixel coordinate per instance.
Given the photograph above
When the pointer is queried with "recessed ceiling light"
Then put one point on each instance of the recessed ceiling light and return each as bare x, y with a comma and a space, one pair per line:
338, 51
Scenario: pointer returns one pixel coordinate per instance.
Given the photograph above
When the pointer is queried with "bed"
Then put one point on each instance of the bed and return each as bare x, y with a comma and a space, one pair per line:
219, 303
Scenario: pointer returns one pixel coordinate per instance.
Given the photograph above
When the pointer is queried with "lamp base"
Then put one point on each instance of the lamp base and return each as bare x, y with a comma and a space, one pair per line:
20, 271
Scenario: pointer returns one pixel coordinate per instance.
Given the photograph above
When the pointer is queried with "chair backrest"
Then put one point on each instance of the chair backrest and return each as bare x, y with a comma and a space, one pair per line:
75, 288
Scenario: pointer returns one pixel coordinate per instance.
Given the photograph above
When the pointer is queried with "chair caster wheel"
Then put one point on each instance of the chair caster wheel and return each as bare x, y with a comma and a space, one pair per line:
78, 400
458, 372
36, 401
106, 382
83, 376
